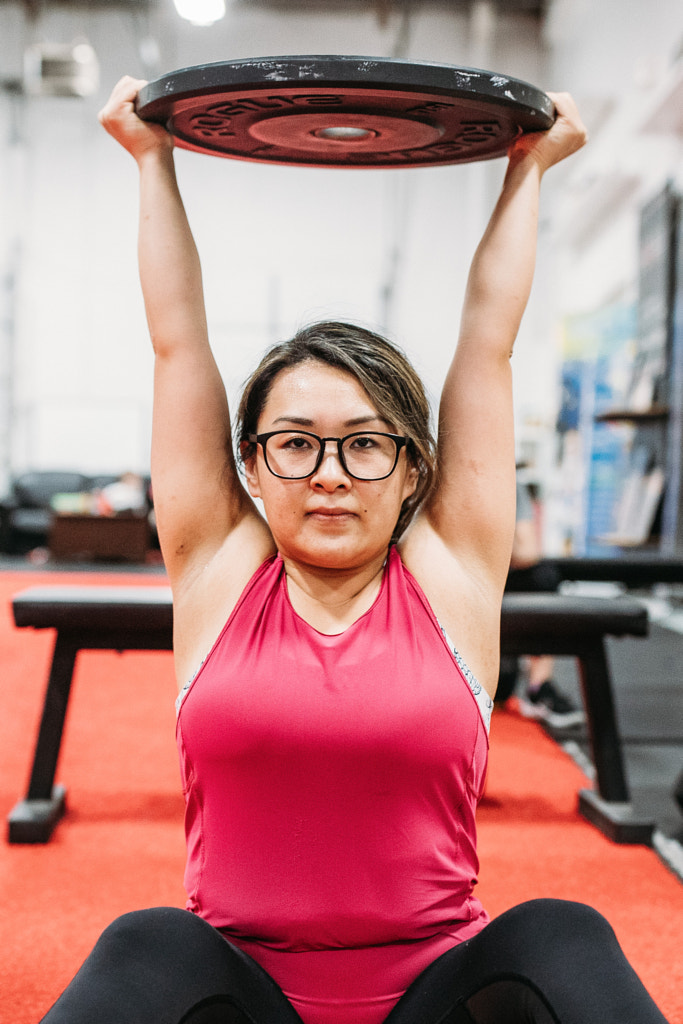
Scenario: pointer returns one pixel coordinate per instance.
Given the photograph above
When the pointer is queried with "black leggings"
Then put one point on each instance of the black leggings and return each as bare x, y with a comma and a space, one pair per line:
543, 962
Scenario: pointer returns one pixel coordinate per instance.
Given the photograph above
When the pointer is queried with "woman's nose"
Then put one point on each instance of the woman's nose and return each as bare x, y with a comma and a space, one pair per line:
330, 474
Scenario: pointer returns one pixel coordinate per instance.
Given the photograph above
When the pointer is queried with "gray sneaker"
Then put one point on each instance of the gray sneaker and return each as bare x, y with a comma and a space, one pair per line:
547, 704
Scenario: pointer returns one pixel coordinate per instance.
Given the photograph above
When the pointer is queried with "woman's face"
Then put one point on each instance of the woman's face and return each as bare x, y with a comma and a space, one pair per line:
330, 519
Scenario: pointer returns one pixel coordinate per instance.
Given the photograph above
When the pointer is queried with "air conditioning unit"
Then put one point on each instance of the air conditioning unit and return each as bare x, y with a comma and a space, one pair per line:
61, 69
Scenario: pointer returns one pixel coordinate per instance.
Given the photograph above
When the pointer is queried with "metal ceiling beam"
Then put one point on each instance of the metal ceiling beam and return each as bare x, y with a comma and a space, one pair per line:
535, 8
34, 7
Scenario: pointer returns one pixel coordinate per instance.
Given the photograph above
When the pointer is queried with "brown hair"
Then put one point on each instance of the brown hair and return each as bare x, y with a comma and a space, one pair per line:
381, 368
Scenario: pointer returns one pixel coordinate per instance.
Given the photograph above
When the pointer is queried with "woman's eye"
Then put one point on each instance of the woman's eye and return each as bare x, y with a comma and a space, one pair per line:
363, 443
296, 443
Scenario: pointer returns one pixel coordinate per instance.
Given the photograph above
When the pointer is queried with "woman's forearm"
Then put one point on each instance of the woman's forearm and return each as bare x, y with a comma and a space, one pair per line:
503, 266
170, 270
502, 269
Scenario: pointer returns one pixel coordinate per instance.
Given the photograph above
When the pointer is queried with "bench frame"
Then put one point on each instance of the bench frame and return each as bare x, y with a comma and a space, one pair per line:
141, 618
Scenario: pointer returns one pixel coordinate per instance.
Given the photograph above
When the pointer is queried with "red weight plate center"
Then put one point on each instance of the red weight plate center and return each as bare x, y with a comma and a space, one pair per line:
331, 131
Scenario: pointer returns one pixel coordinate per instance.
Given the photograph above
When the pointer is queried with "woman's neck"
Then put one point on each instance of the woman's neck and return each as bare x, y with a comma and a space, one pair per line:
331, 600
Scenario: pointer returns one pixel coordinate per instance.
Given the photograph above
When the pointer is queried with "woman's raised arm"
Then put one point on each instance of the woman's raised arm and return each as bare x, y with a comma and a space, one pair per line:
472, 509
460, 544
198, 496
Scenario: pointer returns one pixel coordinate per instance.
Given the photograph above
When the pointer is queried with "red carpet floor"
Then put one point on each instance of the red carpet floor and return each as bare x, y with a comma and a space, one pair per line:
120, 846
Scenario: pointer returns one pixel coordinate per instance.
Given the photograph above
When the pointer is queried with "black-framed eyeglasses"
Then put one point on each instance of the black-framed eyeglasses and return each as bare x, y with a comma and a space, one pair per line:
297, 454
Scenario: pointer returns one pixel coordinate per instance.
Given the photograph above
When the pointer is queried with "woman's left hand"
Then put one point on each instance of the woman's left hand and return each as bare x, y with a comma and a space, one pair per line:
567, 135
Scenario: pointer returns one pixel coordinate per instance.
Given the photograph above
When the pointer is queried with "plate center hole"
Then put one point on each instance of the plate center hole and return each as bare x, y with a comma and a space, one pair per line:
344, 133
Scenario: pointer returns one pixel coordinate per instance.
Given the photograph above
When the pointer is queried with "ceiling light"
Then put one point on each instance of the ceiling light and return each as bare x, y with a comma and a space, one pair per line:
201, 12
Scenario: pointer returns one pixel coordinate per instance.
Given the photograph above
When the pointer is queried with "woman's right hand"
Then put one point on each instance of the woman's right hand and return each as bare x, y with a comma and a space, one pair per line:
119, 118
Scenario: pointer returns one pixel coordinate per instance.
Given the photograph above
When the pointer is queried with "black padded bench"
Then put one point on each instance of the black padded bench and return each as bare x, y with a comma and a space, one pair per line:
578, 627
141, 618
85, 618
636, 570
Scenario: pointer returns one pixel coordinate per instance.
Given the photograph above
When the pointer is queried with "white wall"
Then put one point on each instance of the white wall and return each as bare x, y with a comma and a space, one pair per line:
624, 65
621, 67
279, 245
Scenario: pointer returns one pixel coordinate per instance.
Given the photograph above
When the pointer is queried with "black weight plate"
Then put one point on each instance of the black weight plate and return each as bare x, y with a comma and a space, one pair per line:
326, 111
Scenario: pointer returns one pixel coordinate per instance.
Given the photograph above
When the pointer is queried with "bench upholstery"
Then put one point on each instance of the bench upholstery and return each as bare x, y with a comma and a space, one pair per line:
634, 569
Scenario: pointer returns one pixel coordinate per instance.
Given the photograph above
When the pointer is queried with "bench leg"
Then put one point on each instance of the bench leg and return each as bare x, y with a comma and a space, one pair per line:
609, 808
33, 819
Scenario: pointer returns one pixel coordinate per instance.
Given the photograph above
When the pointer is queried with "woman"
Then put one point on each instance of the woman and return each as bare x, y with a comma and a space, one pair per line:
332, 743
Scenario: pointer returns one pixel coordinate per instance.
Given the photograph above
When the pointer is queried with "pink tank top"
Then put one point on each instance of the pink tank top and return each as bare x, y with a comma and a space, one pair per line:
331, 785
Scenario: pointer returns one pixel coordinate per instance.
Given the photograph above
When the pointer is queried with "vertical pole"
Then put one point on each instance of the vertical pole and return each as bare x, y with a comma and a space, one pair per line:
13, 190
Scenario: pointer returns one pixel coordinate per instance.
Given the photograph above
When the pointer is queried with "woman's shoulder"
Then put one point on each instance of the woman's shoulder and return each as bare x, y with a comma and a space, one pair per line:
463, 595
203, 604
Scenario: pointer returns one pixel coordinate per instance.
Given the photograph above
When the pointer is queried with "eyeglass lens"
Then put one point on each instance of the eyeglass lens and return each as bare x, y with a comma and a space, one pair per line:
366, 456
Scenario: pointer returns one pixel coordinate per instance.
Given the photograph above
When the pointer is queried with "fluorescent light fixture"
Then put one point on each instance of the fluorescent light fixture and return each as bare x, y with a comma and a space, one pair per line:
201, 12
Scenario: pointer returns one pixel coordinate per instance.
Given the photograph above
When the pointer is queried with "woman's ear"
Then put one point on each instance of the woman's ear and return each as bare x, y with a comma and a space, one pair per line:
248, 452
411, 481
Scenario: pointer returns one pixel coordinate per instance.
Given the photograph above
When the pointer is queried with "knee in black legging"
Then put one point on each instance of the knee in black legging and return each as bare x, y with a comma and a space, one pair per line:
549, 928
167, 965
133, 937
157, 923
545, 914
542, 961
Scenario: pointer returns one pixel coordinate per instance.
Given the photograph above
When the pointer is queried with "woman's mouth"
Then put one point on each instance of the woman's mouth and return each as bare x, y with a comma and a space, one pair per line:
330, 513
